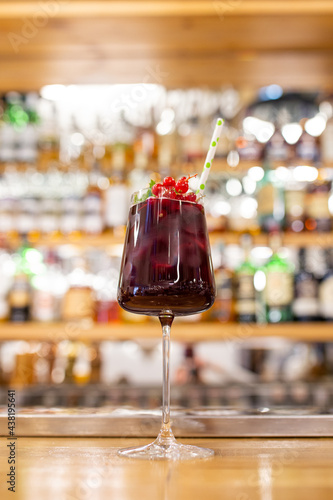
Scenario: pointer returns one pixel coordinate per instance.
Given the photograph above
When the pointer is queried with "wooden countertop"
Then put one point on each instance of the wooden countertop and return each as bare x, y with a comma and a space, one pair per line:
242, 469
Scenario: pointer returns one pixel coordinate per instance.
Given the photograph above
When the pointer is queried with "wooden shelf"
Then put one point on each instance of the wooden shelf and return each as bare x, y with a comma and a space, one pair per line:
288, 239
186, 332
108, 240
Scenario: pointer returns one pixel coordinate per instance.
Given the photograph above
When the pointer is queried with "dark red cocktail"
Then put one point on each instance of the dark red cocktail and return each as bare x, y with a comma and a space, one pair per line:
166, 263
166, 271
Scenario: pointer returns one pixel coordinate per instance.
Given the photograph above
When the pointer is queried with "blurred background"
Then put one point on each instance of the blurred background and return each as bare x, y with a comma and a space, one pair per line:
97, 98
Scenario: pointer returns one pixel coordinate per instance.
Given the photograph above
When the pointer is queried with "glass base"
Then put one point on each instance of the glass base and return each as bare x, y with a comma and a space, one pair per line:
169, 449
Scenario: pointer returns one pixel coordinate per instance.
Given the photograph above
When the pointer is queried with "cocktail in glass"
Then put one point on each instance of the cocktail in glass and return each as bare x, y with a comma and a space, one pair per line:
166, 271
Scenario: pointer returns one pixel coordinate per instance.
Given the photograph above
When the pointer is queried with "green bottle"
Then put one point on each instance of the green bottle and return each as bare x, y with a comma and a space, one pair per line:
244, 284
278, 293
270, 200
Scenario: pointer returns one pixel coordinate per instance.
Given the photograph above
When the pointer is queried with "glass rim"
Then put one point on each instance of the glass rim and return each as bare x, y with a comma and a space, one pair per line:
140, 192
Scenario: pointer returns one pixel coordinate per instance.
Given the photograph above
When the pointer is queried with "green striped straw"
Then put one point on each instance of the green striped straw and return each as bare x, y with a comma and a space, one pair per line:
210, 156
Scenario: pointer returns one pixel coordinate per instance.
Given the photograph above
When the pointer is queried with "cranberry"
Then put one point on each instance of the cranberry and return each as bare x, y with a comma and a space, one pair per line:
157, 189
169, 182
170, 193
182, 185
191, 197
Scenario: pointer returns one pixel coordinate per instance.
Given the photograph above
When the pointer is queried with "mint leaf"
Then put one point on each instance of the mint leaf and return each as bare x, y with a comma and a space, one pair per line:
147, 195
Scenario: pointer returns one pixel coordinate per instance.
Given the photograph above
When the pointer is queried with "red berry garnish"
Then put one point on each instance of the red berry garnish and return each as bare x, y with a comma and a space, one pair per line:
171, 193
182, 185
169, 182
191, 197
157, 189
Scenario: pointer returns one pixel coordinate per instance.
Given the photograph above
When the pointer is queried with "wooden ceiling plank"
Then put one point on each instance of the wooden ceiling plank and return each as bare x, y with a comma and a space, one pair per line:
80, 8
206, 34
290, 71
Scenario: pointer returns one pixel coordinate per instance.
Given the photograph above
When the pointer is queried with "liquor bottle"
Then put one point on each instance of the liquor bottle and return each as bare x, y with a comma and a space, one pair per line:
6, 273
326, 142
48, 221
168, 149
326, 289
49, 145
277, 150
223, 309
78, 301
295, 209
249, 148
306, 303
245, 293
7, 143
92, 217
307, 148
318, 216
19, 298
116, 203
278, 292
192, 140
48, 290
82, 366
96, 363
144, 148
270, 202
71, 215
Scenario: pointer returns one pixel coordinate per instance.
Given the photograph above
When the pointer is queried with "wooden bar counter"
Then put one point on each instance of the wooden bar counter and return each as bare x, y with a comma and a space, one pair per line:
242, 469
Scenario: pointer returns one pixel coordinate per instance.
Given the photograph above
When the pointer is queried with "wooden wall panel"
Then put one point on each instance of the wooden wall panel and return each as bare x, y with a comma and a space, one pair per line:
252, 44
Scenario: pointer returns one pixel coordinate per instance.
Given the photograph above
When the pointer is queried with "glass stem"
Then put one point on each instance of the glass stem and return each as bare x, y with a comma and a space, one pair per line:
166, 319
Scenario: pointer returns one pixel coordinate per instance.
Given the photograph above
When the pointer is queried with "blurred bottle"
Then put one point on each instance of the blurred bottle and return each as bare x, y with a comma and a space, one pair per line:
326, 142
7, 215
71, 215
306, 303
249, 148
7, 143
270, 202
96, 363
191, 140
117, 195
307, 148
317, 261
48, 288
20, 298
295, 209
318, 217
168, 147
48, 136
145, 148
278, 293
78, 302
49, 215
70, 355
277, 150
26, 220
106, 309
82, 367
92, 217
245, 294
326, 289
189, 371
23, 374
7, 269
223, 308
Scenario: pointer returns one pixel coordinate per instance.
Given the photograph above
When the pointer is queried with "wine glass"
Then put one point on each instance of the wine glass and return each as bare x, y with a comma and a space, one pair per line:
166, 271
